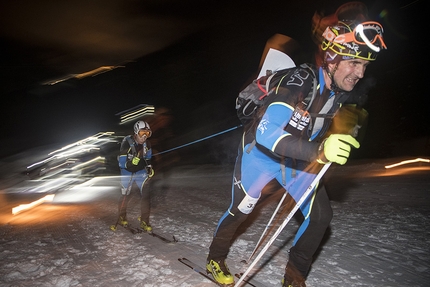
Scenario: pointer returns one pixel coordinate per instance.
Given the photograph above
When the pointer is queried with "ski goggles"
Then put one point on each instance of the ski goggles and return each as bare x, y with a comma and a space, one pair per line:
142, 133
366, 33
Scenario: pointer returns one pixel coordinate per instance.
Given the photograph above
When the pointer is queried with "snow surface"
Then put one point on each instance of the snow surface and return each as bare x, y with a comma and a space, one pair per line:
379, 235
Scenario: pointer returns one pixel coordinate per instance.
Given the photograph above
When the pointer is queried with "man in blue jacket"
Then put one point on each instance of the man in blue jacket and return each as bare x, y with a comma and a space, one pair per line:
292, 145
136, 169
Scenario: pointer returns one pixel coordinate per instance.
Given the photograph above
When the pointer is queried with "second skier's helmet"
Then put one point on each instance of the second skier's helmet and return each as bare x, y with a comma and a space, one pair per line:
352, 40
142, 128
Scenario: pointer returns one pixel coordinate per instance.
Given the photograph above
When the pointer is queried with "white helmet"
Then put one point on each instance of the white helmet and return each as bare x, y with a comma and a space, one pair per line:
141, 125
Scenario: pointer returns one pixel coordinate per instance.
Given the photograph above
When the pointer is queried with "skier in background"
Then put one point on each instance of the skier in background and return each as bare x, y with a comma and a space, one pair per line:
293, 156
136, 169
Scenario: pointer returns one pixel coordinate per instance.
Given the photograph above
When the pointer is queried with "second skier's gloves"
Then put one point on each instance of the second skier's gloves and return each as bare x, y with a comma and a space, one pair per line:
150, 171
135, 164
336, 148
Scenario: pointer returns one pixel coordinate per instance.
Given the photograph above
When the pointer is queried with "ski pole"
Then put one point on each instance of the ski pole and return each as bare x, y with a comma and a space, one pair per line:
267, 226
281, 227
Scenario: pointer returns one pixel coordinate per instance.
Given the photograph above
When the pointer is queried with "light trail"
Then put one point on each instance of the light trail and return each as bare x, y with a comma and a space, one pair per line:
23, 207
407, 162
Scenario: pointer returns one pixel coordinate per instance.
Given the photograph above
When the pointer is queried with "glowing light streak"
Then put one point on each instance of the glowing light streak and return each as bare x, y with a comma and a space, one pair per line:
137, 113
95, 138
85, 145
54, 184
407, 162
23, 207
92, 73
51, 171
97, 180
95, 72
96, 159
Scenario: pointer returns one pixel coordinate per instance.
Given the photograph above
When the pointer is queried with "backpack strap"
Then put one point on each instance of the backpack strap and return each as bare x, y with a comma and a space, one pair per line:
284, 181
248, 150
266, 90
131, 143
311, 96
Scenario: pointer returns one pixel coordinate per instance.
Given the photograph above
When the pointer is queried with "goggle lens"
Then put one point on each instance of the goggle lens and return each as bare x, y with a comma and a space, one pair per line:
371, 30
142, 133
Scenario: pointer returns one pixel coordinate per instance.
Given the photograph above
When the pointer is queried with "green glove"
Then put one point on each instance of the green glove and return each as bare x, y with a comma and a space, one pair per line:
135, 160
336, 148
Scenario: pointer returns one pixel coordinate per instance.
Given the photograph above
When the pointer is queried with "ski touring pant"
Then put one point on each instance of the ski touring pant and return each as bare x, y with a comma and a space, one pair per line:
252, 172
135, 181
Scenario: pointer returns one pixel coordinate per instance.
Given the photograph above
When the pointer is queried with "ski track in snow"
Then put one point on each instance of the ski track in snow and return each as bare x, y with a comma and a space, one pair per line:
378, 236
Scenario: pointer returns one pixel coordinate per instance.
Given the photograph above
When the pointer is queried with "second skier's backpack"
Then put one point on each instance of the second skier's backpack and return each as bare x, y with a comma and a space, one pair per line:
256, 94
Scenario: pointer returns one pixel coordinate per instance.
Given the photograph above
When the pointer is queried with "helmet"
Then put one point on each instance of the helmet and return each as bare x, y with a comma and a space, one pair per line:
352, 40
142, 126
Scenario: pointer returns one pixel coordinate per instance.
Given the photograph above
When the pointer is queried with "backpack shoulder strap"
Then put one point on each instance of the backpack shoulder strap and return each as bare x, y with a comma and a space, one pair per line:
131, 143
311, 96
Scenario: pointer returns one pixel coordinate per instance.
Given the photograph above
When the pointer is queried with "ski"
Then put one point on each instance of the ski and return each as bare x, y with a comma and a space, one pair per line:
128, 227
198, 269
202, 271
132, 229
249, 280
136, 230
162, 238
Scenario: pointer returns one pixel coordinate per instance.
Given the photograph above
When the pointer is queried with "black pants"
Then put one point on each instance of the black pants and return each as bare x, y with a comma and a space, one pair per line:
301, 254
145, 201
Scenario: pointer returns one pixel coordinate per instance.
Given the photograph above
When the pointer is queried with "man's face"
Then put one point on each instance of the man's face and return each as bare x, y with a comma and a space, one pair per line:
140, 139
348, 73
142, 135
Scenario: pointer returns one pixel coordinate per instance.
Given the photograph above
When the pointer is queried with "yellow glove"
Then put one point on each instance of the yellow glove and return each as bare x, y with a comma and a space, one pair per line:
336, 148
150, 171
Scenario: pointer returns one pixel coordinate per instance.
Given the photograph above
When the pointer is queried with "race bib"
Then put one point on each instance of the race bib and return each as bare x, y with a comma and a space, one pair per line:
300, 119
247, 204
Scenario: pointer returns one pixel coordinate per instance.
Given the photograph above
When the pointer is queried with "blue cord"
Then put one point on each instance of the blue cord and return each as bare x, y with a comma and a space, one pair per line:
208, 137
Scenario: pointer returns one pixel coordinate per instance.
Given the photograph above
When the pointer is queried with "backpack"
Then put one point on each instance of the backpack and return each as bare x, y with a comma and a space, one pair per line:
255, 96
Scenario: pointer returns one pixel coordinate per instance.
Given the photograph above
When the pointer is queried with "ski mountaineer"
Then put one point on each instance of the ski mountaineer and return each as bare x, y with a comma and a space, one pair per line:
136, 169
292, 144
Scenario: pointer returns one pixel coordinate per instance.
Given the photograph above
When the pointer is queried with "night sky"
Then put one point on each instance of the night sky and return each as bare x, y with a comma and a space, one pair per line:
190, 57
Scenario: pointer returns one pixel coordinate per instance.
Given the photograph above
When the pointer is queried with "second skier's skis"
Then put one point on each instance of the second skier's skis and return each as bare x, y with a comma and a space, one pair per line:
136, 230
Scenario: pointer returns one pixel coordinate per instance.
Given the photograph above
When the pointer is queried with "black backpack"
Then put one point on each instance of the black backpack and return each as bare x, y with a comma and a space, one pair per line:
256, 94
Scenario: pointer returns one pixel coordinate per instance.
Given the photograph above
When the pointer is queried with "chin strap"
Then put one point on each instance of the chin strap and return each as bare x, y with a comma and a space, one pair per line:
333, 85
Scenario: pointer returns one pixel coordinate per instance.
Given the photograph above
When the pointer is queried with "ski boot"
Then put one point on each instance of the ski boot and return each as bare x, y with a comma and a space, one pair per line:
123, 221
287, 283
220, 272
292, 277
146, 227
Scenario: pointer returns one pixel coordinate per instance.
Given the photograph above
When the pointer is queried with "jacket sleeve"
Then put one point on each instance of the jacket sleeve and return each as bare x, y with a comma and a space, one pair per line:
123, 153
272, 135
271, 132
